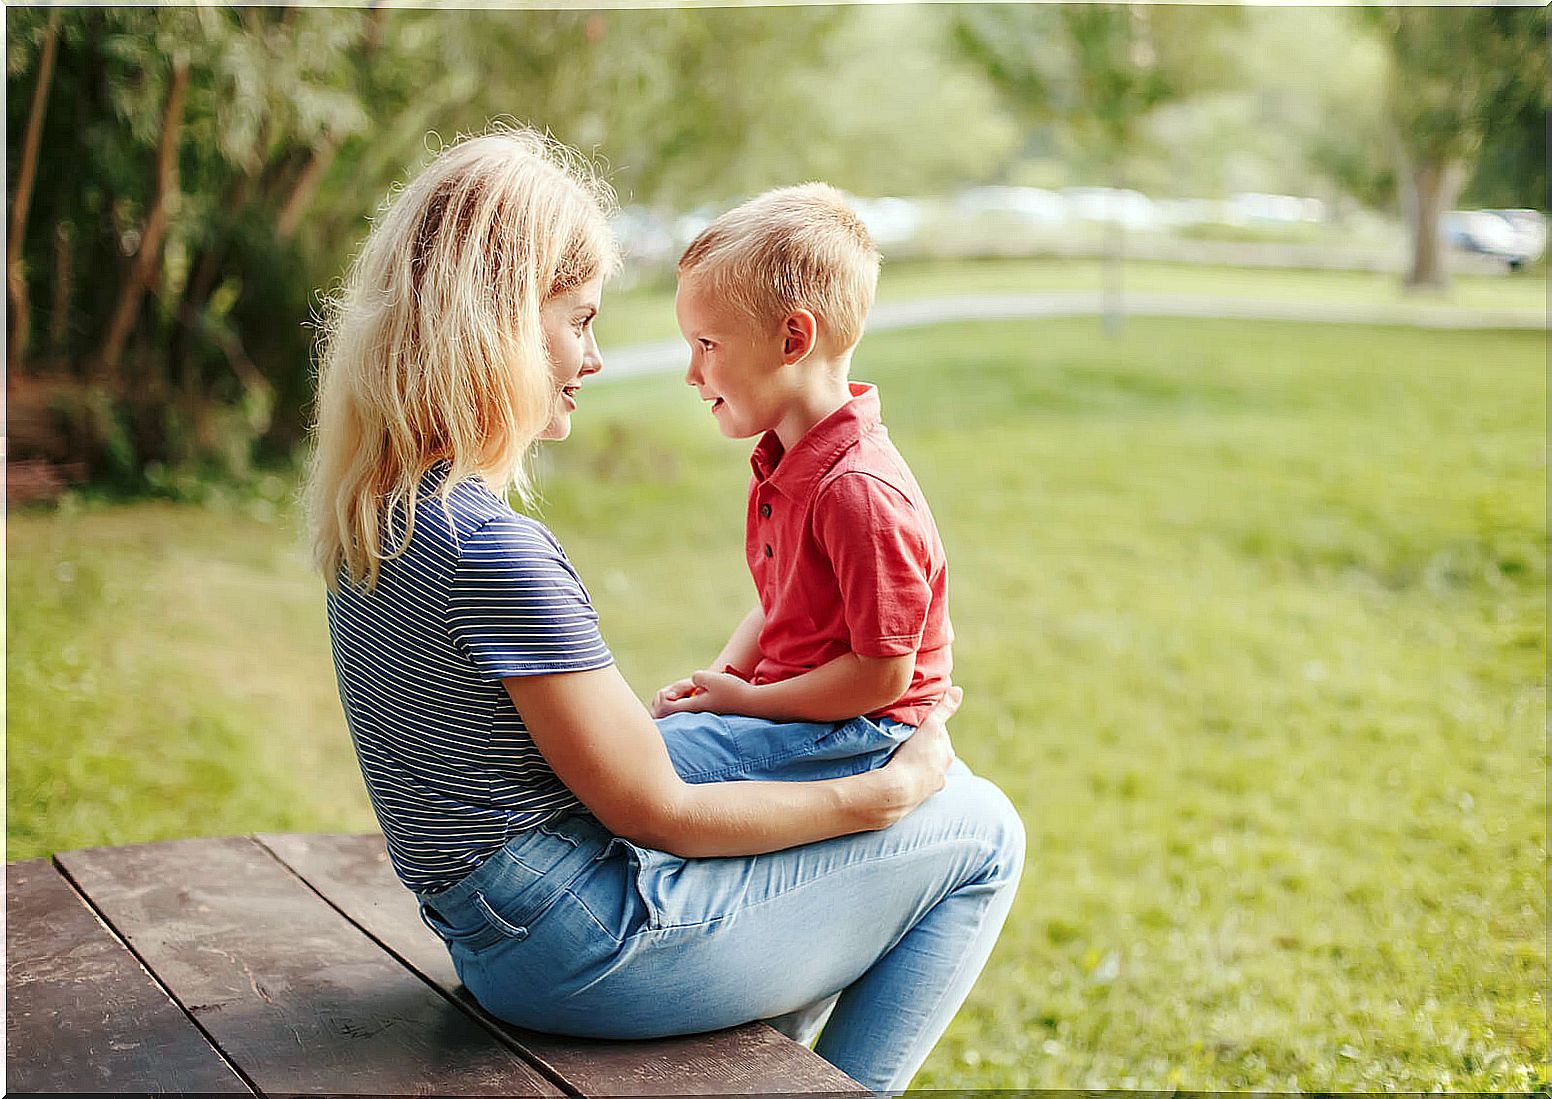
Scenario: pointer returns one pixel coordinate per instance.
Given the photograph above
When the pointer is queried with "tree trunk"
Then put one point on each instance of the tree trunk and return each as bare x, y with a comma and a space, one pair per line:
1436, 184
148, 257
64, 282
306, 187
1112, 295
26, 173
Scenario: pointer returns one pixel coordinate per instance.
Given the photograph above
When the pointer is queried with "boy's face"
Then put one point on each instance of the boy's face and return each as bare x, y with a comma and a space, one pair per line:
732, 363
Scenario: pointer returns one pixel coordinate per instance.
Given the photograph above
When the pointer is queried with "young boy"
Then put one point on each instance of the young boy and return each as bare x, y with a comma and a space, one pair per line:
849, 645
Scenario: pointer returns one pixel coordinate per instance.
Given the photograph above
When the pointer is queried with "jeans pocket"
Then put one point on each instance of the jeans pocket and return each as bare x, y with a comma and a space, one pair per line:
514, 916
640, 868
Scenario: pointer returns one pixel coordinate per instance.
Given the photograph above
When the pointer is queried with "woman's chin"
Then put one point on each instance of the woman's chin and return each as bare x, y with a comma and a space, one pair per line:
558, 429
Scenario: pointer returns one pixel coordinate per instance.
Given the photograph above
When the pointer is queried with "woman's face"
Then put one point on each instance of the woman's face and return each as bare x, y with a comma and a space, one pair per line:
567, 320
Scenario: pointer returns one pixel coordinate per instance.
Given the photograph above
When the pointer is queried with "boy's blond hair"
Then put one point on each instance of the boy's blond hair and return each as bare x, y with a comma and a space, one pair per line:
792, 248
433, 352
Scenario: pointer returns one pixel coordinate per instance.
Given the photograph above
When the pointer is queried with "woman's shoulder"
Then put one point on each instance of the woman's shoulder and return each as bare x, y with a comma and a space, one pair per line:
483, 522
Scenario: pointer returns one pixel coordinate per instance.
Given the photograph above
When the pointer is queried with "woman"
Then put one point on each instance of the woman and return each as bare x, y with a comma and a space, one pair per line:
581, 886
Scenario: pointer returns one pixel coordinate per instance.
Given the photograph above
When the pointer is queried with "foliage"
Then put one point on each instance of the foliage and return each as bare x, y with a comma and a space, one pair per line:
1456, 75
1251, 622
1096, 72
169, 297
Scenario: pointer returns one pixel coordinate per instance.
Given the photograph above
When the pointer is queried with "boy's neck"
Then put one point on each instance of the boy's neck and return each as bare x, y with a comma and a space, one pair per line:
823, 390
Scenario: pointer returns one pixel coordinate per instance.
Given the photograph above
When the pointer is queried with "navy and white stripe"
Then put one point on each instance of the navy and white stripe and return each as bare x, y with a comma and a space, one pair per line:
482, 593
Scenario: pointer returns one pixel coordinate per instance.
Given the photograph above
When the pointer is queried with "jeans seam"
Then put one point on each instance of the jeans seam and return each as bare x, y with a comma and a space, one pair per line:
582, 903
749, 764
801, 885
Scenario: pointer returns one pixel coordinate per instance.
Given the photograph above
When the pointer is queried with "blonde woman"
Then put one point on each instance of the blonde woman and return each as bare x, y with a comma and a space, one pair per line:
581, 885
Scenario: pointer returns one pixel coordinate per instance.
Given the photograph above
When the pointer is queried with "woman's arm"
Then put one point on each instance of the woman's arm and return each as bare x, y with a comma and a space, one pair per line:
605, 748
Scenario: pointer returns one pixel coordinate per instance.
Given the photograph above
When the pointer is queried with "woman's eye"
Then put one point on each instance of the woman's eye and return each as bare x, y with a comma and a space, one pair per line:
705, 345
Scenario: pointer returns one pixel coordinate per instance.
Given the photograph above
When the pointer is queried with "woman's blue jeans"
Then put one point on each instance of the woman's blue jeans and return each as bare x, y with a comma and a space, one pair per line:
572, 930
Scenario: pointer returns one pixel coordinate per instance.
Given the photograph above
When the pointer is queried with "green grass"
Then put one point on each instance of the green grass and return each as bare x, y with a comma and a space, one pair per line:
1251, 626
646, 313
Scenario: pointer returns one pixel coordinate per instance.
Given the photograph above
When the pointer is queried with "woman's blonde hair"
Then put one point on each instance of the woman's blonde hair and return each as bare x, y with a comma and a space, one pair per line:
432, 350
797, 247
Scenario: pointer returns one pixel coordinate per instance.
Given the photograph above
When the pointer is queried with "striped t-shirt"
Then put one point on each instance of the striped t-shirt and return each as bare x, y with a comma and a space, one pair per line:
482, 593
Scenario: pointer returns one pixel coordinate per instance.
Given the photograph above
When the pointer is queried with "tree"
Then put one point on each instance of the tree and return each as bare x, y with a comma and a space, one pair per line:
1097, 72
1455, 73
189, 178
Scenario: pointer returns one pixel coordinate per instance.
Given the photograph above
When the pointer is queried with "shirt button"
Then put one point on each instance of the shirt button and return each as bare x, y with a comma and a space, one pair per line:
769, 552
765, 511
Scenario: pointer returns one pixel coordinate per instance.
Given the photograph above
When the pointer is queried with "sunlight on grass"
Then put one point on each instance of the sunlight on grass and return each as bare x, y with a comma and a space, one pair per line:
1251, 625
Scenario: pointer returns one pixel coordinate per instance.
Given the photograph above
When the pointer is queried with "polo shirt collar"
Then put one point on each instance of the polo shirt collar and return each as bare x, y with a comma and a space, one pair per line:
795, 472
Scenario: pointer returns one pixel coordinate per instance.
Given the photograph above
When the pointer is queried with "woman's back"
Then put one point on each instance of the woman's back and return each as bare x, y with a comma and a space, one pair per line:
480, 593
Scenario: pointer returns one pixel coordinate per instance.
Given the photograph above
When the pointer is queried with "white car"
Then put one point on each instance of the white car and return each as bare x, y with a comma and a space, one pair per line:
1132, 209
1489, 233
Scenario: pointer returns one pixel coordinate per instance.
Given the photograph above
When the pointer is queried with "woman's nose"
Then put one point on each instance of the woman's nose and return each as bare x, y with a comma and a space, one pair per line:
592, 358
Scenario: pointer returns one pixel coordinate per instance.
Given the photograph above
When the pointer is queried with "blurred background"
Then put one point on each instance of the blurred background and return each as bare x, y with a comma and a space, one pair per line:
1217, 337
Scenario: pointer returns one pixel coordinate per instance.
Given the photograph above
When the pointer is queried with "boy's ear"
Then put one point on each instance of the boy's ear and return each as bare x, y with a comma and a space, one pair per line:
799, 334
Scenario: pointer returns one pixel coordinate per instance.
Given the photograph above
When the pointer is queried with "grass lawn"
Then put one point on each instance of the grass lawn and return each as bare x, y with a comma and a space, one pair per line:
646, 313
1251, 627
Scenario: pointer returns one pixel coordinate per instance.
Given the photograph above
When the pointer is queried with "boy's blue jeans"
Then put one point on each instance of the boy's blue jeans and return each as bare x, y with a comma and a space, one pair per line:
723, 747
572, 930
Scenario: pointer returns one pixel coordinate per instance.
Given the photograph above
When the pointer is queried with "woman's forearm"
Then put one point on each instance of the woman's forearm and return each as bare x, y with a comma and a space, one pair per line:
721, 819
601, 744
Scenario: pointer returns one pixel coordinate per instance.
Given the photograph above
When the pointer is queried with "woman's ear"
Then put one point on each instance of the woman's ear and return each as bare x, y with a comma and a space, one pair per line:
800, 333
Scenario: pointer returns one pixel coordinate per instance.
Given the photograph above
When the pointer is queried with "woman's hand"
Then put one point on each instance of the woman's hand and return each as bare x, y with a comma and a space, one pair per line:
705, 692
920, 765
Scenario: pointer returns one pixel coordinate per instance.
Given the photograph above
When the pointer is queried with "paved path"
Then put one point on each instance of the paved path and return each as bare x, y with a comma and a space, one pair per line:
669, 355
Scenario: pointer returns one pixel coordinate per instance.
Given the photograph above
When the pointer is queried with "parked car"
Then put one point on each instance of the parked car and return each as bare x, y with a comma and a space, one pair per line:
1488, 233
645, 236
1530, 232
1132, 209
1030, 204
889, 220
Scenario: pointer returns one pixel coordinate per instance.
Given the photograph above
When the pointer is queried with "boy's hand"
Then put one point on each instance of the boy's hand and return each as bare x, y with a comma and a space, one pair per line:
705, 692
662, 702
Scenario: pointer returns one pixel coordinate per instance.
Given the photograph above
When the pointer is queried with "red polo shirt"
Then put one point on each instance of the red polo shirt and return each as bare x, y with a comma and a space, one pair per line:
845, 556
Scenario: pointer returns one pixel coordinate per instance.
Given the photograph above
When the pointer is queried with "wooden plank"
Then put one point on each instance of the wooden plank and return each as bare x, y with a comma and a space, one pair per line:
294, 994
81, 1013
354, 874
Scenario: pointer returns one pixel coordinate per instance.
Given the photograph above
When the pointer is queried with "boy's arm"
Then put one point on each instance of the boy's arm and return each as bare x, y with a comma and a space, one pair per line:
742, 652
743, 649
844, 688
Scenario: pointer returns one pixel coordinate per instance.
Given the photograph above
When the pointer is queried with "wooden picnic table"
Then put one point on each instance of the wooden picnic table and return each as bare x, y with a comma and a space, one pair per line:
297, 964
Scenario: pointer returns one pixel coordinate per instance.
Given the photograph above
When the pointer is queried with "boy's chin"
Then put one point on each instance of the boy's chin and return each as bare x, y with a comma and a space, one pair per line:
737, 431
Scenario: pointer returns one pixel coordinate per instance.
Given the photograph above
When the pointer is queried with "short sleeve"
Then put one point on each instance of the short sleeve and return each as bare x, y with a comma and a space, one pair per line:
875, 543
517, 607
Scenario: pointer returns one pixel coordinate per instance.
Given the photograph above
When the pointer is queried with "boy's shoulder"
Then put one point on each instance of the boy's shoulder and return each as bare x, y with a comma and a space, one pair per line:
874, 457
